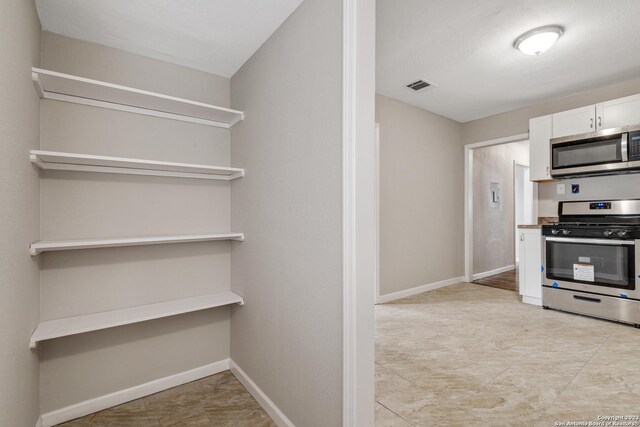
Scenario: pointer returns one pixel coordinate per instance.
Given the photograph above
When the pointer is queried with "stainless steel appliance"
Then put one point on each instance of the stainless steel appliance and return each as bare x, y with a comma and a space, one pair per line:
608, 151
591, 260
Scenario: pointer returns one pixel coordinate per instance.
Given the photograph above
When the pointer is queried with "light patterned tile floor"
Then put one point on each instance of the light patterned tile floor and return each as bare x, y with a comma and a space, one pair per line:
219, 400
468, 355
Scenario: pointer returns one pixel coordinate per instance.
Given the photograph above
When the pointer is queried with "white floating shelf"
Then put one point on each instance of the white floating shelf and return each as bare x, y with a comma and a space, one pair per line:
65, 245
79, 90
103, 164
57, 328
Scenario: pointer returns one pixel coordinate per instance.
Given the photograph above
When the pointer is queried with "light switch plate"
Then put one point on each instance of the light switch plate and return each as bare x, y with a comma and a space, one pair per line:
560, 189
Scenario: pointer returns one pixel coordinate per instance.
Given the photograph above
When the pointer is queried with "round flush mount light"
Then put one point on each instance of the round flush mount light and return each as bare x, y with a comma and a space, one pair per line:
538, 40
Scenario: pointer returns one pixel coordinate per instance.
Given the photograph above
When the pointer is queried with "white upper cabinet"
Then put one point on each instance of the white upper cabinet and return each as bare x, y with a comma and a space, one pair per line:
611, 114
574, 122
618, 112
540, 148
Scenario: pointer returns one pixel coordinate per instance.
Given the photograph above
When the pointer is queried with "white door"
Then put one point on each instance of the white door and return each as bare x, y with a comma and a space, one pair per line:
574, 122
618, 112
539, 148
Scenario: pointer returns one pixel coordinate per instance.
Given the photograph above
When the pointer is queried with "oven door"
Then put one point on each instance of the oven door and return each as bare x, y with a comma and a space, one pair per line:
598, 152
599, 266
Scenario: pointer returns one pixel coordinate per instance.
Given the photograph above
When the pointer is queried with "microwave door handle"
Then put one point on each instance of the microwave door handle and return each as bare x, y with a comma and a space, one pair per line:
623, 147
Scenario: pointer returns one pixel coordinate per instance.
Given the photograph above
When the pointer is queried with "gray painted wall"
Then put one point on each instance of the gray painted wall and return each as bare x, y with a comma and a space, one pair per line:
421, 196
288, 336
594, 188
19, 211
83, 205
494, 228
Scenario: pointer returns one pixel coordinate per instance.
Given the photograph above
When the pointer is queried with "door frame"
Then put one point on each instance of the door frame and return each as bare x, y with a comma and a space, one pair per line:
468, 195
376, 196
358, 216
516, 165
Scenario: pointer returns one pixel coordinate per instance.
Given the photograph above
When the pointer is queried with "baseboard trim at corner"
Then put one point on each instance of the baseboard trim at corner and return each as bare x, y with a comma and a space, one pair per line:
119, 397
493, 272
267, 404
531, 300
419, 289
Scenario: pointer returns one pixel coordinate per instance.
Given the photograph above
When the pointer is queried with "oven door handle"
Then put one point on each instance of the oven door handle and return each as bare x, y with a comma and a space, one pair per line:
594, 241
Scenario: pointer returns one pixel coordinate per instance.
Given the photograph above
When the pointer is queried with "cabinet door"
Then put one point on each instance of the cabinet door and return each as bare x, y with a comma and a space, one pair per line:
522, 264
530, 263
618, 112
574, 122
539, 148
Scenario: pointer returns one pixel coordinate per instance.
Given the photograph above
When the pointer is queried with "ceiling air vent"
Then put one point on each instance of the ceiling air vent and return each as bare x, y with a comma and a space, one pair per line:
419, 85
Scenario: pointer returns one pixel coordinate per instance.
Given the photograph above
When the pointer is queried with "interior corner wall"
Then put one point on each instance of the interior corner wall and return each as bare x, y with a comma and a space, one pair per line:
494, 227
288, 336
421, 197
77, 205
19, 213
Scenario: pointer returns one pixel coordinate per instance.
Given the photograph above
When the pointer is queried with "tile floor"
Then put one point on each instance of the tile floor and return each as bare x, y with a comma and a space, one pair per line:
468, 355
219, 400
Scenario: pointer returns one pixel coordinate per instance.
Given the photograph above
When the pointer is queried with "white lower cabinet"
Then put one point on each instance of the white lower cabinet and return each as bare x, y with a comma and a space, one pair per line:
530, 275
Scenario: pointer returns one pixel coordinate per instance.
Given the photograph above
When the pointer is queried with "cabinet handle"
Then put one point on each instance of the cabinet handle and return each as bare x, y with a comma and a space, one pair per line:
599, 121
591, 123
521, 237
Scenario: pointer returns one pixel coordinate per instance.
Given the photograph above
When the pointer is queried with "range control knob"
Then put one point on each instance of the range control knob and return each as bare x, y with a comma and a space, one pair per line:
622, 233
566, 232
608, 233
555, 231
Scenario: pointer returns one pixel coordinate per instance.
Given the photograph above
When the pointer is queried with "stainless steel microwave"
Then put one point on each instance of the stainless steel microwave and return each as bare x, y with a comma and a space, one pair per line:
608, 151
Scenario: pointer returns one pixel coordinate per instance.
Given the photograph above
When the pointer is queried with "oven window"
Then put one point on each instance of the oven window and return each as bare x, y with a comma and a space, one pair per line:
593, 264
589, 153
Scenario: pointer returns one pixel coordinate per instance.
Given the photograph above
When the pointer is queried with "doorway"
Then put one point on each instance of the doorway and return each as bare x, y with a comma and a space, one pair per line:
498, 197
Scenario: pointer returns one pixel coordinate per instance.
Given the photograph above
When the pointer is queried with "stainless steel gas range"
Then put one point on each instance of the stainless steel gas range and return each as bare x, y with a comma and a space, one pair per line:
591, 260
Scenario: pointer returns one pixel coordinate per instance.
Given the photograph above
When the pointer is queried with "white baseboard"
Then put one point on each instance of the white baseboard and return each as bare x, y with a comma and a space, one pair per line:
267, 404
493, 272
119, 397
419, 289
531, 300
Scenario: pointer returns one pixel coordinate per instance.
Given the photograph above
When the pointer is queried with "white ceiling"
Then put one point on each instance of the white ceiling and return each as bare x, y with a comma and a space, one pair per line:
216, 36
465, 47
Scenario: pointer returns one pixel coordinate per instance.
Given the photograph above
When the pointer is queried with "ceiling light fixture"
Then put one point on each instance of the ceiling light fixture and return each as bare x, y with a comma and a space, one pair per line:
538, 40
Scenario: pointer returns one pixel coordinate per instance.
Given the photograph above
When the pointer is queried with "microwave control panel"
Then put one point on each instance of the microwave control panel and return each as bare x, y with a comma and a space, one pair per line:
634, 146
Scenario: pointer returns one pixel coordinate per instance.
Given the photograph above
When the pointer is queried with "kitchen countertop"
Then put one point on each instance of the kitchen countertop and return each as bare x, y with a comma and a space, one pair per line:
541, 221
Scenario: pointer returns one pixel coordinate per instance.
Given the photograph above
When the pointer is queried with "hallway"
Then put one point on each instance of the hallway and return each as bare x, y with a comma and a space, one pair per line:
507, 280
